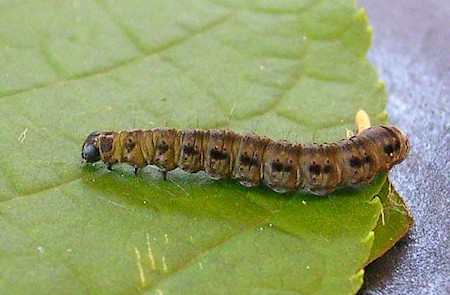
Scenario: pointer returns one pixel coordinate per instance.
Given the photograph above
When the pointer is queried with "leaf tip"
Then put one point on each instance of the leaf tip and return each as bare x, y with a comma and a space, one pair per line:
368, 239
375, 201
357, 280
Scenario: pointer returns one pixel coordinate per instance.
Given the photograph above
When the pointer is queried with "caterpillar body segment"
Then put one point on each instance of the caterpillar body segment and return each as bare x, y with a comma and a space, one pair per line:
254, 160
281, 170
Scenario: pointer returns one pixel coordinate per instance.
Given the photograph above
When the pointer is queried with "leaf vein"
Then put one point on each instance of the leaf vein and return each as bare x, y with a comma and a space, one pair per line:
40, 190
220, 243
103, 71
131, 36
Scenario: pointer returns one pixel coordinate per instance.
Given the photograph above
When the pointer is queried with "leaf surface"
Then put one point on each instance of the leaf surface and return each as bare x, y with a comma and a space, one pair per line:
395, 221
294, 70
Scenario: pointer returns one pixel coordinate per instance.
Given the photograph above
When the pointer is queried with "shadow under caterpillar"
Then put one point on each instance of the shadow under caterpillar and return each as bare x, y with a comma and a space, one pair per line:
251, 159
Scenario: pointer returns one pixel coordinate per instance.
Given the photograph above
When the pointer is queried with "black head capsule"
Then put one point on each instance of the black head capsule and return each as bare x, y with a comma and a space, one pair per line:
90, 151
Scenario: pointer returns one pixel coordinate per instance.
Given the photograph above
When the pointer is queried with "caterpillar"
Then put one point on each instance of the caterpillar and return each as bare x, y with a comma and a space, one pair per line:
253, 160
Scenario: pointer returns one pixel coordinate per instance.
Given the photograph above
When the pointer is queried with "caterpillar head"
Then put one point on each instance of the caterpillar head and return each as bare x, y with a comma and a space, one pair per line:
90, 151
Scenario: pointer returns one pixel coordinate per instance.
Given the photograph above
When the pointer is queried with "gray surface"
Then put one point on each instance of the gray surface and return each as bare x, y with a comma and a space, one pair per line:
411, 49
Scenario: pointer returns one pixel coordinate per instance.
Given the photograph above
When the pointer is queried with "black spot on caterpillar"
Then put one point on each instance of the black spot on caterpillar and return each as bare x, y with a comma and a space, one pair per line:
254, 160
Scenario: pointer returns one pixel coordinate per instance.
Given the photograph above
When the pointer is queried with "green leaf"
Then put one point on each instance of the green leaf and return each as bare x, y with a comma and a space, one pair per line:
394, 223
294, 70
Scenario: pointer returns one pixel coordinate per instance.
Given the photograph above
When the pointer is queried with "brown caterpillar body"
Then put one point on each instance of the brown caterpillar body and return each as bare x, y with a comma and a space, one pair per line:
251, 159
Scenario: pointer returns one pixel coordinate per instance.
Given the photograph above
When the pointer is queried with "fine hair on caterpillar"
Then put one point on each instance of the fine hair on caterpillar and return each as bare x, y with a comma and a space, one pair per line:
252, 159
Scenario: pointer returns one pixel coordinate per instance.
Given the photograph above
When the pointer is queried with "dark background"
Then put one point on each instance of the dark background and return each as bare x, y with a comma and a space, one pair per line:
411, 49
